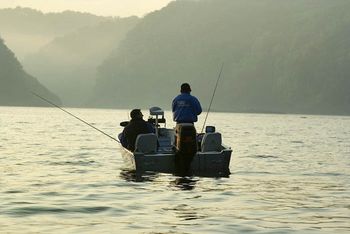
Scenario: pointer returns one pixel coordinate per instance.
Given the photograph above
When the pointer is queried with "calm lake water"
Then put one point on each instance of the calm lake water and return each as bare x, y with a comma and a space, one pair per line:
289, 173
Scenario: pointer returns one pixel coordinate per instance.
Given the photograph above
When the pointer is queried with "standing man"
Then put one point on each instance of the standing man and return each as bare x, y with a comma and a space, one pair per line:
186, 107
135, 127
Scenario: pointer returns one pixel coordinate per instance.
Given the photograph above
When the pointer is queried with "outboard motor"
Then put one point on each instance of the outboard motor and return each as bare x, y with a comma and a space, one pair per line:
186, 146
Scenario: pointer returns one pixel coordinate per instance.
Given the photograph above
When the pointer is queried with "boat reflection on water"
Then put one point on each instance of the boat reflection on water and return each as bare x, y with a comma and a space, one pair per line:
134, 176
182, 181
188, 182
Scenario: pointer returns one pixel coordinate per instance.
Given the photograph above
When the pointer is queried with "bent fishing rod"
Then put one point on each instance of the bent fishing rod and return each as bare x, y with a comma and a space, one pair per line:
53, 104
212, 98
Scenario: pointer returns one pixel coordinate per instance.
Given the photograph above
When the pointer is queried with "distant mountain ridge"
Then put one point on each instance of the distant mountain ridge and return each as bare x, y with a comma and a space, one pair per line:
16, 85
63, 50
71, 60
29, 20
26, 30
287, 56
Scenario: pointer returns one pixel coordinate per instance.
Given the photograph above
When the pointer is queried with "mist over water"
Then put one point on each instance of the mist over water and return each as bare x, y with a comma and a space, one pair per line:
289, 173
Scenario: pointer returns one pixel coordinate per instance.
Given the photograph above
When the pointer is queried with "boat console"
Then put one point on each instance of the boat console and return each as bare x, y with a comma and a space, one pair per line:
156, 116
165, 136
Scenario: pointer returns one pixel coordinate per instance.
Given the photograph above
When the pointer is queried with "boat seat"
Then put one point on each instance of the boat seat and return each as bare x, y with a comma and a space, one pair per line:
146, 143
211, 142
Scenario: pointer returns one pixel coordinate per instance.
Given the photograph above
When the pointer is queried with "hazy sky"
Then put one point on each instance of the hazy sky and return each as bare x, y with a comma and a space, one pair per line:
98, 7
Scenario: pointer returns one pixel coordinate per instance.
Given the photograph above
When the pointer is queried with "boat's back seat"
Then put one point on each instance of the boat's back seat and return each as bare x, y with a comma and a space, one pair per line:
211, 142
146, 143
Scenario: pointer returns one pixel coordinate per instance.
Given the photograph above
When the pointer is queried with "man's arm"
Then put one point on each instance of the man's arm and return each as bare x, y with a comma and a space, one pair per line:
173, 105
151, 128
197, 106
123, 139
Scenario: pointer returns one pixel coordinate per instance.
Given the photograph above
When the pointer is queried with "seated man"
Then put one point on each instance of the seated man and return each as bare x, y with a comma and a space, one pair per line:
135, 127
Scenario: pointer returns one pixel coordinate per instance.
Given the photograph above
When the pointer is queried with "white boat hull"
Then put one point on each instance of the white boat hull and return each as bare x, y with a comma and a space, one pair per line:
202, 163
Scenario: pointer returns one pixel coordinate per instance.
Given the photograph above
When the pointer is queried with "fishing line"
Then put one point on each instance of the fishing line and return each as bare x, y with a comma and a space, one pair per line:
53, 104
212, 98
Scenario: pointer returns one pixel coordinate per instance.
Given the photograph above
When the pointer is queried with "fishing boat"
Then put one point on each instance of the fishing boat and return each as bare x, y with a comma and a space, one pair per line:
180, 150
171, 150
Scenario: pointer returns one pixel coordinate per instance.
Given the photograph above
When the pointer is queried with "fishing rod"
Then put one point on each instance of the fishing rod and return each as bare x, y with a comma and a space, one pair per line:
212, 98
53, 104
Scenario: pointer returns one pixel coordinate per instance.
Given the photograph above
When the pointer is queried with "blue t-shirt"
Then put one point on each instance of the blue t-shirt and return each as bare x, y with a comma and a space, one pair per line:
185, 108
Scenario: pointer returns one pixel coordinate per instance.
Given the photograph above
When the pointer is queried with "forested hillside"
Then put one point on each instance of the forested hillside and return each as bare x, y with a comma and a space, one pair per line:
16, 85
288, 56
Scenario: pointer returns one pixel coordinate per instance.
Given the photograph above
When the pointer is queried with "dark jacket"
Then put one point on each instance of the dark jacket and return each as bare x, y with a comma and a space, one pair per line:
185, 108
132, 130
